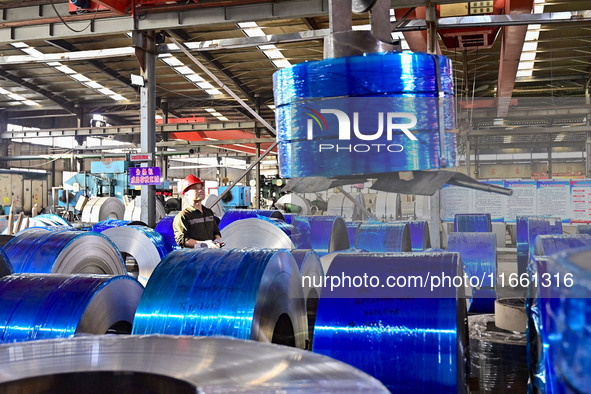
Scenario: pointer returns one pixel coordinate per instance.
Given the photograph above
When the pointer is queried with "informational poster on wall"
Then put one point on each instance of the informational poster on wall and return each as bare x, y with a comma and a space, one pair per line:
581, 201
554, 199
455, 199
523, 200
493, 203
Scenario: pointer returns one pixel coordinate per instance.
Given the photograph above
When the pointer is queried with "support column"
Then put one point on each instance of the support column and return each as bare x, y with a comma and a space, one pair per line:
549, 162
257, 132
145, 52
431, 20
5, 143
164, 158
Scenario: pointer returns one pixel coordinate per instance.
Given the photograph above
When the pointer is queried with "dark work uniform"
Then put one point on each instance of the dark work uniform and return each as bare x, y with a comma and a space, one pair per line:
192, 224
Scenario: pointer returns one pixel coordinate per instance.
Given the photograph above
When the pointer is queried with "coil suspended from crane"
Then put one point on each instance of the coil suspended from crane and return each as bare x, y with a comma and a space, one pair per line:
172, 364
246, 294
34, 306
405, 83
65, 252
409, 338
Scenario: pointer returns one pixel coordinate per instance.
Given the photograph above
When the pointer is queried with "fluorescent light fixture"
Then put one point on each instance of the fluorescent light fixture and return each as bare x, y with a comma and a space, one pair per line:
532, 35
30, 102
529, 46
223, 118
15, 96
267, 47
213, 92
93, 85
184, 70
281, 63
172, 61
525, 65
65, 70
106, 92
216, 114
19, 44
205, 85
80, 77
32, 51
54, 64
4, 91
256, 32
194, 78
524, 73
271, 107
118, 97
527, 56
210, 109
244, 25
538, 8
274, 54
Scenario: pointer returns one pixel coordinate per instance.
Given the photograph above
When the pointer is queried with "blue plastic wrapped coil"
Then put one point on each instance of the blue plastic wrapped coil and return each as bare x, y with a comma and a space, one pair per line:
383, 237
472, 223
528, 228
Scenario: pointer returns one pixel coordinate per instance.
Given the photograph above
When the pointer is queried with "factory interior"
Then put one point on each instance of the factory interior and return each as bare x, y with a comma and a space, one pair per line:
398, 191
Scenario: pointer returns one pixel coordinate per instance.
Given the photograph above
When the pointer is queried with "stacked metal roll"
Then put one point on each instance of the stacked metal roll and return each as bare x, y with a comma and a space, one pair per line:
302, 225
419, 235
233, 215
498, 356
387, 206
102, 208
528, 228
175, 365
50, 219
383, 237
36, 307
5, 266
133, 210
393, 332
328, 234
246, 294
340, 205
479, 257
261, 232
294, 204
405, 83
547, 245
164, 228
567, 318
352, 231
141, 247
472, 223
65, 252
312, 283
109, 223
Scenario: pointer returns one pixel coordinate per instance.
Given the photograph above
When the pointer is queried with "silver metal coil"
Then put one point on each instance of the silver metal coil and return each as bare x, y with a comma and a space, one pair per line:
99, 209
255, 233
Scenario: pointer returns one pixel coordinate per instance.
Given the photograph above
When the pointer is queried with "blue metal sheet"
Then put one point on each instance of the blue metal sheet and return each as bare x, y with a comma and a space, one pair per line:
472, 223
384, 237
528, 228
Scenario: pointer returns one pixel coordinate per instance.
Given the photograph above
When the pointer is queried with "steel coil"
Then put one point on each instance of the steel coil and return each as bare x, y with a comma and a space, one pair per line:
51, 219
218, 209
109, 223
65, 252
472, 223
387, 206
164, 228
102, 208
584, 229
133, 210
246, 294
383, 237
409, 339
547, 245
479, 258
5, 266
302, 225
141, 247
352, 231
568, 317
528, 228
294, 202
328, 234
498, 357
312, 282
59, 306
340, 205
159, 364
259, 233
233, 215
419, 235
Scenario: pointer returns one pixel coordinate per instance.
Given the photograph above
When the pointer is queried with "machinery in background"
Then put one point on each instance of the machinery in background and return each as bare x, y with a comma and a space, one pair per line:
27, 190
238, 197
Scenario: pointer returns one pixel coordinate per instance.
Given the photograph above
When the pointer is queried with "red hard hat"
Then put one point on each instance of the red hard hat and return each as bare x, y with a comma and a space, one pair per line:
190, 181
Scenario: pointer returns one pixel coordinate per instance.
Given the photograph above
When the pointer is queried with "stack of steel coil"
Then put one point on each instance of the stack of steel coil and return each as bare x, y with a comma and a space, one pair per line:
383, 237
164, 228
328, 234
233, 215
102, 208
528, 228
247, 294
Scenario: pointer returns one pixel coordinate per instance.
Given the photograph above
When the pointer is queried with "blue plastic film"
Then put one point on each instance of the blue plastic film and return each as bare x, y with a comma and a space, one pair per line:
5, 266
472, 223
409, 344
352, 231
369, 74
383, 237
50, 219
528, 228
237, 293
419, 235
232, 215
328, 234
547, 245
52, 306
164, 227
109, 223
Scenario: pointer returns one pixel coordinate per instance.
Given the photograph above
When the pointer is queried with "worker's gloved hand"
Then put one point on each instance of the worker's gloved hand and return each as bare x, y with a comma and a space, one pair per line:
207, 244
219, 243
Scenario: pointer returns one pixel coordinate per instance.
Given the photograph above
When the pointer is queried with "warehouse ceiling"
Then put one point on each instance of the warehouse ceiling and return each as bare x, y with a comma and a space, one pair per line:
58, 68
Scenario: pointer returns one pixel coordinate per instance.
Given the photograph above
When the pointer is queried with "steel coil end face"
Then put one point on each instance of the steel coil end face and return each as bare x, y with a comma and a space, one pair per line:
90, 253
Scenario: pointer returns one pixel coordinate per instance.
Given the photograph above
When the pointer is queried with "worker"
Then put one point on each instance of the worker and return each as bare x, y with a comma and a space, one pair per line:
195, 226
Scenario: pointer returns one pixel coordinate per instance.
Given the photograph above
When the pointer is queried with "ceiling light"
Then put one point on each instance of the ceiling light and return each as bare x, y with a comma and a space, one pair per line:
194, 78
281, 63
205, 85
216, 114
243, 25
213, 92
172, 61
527, 56
184, 70
532, 35
93, 85
32, 51
19, 44
267, 47
4, 91
118, 97
106, 92
256, 32
529, 46
80, 77
30, 102
524, 73
223, 118
274, 54
54, 64
210, 109
65, 70
15, 96
525, 65
271, 107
